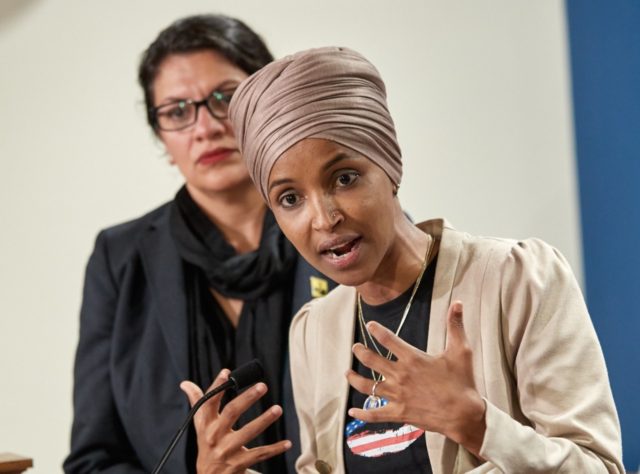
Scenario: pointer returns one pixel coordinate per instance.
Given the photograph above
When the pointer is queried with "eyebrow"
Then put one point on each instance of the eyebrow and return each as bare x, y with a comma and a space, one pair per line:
339, 157
223, 86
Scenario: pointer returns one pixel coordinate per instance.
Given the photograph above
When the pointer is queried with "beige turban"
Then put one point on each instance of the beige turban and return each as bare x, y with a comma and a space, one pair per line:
330, 93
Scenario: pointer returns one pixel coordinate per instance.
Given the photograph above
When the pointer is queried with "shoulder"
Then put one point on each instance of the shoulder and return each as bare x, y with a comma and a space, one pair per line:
502, 266
321, 314
532, 260
119, 242
525, 278
125, 231
534, 253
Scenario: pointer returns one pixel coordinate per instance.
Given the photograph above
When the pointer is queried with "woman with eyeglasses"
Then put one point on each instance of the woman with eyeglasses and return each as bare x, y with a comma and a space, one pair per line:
440, 351
201, 284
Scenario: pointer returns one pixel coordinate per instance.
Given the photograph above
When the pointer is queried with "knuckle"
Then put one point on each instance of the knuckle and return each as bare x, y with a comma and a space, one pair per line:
412, 359
400, 379
230, 411
465, 350
383, 337
218, 451
366, 356
265, 453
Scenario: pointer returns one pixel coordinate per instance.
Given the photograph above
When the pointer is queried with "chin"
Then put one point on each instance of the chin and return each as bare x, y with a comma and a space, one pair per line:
345, 277
225, 182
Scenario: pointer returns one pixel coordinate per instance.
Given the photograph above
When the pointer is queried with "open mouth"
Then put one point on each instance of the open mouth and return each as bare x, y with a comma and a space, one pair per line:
342, 250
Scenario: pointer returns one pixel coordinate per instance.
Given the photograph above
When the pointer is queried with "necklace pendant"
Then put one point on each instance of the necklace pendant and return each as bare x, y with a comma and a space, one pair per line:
372, 402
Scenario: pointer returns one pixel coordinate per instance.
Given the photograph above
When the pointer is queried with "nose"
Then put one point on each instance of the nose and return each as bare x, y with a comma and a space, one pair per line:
326, 214
207, 126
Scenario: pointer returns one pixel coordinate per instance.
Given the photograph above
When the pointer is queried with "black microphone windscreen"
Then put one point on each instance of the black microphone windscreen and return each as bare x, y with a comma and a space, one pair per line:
247, 374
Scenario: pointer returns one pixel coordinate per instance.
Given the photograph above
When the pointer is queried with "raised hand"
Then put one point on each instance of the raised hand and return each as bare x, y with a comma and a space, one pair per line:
220, 448
435, 393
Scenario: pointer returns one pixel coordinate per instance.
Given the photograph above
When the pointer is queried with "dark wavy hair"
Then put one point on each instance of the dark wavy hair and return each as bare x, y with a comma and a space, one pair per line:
228, 36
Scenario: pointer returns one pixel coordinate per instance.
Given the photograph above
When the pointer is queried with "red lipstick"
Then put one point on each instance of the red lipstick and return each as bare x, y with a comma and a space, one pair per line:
212, 157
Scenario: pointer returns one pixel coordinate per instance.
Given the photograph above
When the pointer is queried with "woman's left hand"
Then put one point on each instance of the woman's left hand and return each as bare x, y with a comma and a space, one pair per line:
435, 393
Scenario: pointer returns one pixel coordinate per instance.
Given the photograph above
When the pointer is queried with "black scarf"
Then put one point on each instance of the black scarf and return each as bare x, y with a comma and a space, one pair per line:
262, 279
247, 276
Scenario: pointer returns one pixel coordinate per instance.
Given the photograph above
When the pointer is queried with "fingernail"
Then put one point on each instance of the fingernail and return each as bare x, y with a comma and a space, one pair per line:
276, 410
260, 388
287, 444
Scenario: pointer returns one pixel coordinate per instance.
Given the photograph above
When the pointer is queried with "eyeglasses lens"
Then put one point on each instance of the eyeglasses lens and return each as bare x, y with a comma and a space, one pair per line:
176, 116
218, 104
184, 113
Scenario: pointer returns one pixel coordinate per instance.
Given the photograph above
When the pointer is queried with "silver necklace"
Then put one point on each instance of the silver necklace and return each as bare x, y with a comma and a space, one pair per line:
373, 400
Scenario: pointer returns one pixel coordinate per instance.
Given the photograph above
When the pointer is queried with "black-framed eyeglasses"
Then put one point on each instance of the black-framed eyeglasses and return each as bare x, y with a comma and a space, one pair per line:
181, 114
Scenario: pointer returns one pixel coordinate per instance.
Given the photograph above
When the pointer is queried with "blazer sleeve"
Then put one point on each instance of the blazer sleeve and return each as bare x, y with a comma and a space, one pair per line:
301, 344
98, 440
562, 382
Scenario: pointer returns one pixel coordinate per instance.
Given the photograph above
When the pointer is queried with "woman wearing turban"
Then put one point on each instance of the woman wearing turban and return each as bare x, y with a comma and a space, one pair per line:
471, 353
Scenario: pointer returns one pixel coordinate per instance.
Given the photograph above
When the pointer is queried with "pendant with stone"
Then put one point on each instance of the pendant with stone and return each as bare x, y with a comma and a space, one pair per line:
372, 402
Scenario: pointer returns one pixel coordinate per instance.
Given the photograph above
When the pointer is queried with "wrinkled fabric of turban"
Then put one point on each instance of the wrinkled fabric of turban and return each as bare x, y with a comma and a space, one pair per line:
330, 93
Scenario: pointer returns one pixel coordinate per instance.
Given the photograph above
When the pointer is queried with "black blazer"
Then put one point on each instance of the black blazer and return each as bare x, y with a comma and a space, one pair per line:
133, 350
132, 353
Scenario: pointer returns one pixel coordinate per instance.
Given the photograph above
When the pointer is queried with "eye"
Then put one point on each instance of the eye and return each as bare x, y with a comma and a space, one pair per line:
223, 96
176, 111
347, 178
289, 199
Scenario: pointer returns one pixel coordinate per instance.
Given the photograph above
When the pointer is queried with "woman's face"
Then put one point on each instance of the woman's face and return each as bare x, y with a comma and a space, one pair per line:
337, 208
206, 152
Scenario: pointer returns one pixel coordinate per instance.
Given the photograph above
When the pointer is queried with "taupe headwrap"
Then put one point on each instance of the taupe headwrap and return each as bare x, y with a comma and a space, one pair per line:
330, 93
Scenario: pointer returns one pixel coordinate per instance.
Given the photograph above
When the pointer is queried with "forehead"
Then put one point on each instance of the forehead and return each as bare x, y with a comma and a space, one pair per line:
194, 74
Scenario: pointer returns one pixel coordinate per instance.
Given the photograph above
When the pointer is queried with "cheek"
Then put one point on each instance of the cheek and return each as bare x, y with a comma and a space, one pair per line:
374, 214
293, 225
177, 147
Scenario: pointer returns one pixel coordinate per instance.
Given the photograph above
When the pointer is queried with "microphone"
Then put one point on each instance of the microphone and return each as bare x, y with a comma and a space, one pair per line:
240, 378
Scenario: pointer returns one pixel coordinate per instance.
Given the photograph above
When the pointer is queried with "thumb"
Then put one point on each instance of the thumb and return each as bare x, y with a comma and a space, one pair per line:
193, 392
455, 327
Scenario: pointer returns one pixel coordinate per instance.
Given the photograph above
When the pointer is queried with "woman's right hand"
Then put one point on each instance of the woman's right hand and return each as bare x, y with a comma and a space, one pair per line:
222, 450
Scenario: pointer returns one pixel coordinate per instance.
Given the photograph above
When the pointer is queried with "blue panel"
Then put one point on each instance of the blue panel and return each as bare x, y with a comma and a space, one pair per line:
605, 61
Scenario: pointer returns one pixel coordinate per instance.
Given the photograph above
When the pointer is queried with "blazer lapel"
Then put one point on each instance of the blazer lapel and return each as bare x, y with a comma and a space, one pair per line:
442, 451
163, 269
336, 360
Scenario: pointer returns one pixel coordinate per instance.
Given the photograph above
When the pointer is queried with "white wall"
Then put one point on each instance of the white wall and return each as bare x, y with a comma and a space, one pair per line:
479, 91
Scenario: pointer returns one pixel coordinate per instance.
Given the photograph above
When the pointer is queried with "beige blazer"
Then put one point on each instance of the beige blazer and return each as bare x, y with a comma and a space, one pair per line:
537, 363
